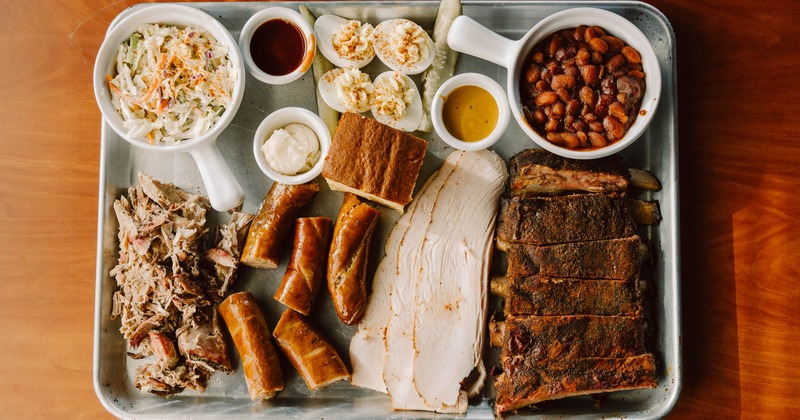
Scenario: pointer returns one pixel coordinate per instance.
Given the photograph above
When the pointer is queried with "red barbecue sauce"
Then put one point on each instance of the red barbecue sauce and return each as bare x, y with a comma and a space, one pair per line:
278, 47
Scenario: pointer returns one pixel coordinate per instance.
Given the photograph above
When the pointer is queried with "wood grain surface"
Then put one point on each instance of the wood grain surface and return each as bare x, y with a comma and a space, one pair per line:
739, 112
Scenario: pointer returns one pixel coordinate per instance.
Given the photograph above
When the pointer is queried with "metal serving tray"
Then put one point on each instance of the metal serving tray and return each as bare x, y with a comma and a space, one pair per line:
226, 396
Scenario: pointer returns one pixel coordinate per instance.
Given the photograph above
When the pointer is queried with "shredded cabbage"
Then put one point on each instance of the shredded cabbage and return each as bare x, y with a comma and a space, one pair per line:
172, 83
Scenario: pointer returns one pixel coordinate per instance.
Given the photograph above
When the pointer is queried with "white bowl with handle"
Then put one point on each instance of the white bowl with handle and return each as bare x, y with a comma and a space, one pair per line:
221, 185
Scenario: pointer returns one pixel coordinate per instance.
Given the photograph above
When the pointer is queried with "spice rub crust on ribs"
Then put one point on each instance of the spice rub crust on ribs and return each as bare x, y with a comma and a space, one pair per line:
525, 382
537, 295
558, 338
539, 172
616, 259
552, 220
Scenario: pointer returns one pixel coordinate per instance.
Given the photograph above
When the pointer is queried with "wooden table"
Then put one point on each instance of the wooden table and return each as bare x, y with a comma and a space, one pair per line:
739, 118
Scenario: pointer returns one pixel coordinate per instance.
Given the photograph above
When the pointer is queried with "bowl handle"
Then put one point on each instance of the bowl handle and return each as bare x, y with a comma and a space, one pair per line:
223, 190
470, 37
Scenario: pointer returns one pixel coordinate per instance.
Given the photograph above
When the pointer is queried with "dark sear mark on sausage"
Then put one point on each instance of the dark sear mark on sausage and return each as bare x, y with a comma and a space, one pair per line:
581, 88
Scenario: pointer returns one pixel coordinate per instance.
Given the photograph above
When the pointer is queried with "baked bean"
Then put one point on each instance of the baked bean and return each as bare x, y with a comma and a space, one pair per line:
533, 74
614, 127
582, 57
577, 35
552, 125
563, 94
583, 138
573, 107
631, 55
546, 98
598, 45
562, 81
590, 74
571, 140
617, 110
572, 71
615, 62
539, 116
636, 73
589, 34
587, 95
582, 87
614, 44
555, 138
558, 109
596, 140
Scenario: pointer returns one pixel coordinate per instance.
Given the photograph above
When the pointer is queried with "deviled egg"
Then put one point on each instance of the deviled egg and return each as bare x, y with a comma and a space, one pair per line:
345, 43
397, 101
403, 46
347, 90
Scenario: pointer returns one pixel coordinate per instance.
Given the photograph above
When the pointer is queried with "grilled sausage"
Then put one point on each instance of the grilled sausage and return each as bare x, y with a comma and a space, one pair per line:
313, 357
262, 369
306, 270
273, 222
347, 262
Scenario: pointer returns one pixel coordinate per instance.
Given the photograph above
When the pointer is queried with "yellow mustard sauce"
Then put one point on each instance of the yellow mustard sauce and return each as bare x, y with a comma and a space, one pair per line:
470, 113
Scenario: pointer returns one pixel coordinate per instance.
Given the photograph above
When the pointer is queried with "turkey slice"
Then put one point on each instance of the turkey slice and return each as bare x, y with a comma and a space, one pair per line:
397, 372
450, 298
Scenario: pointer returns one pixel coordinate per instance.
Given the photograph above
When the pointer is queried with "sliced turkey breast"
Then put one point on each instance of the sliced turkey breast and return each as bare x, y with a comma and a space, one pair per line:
451, 295
397, 374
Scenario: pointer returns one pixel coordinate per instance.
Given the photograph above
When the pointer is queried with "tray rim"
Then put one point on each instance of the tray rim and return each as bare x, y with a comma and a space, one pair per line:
676, 343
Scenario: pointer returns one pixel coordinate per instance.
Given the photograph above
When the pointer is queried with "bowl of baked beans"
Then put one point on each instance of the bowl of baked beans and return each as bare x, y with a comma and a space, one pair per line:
583, 83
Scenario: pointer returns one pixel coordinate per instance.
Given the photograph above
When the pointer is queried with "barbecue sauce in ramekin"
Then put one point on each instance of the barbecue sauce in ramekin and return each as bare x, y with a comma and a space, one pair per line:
278, 47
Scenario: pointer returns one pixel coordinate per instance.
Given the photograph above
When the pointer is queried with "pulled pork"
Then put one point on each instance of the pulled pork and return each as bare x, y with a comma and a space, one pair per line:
169, 284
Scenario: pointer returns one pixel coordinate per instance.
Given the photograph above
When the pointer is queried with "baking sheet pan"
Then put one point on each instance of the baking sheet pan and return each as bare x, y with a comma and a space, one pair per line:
226, 395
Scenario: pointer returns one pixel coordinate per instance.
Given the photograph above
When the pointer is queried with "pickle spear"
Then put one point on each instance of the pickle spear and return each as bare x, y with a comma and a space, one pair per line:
444, 61
321, 66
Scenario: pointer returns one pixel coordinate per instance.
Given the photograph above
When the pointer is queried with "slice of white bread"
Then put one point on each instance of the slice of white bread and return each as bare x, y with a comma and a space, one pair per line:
374, 161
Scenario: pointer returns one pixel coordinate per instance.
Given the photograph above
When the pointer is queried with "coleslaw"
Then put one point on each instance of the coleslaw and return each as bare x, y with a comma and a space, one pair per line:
172, 83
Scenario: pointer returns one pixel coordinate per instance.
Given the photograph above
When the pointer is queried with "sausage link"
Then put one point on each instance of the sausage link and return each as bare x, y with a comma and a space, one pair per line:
306, 269
246, 324
273, 222
347, 260
308, 351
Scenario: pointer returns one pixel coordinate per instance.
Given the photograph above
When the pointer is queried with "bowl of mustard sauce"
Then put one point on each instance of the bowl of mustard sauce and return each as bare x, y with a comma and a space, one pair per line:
470, 112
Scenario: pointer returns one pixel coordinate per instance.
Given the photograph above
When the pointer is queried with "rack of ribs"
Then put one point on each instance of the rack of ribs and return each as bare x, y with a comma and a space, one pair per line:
574, 319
